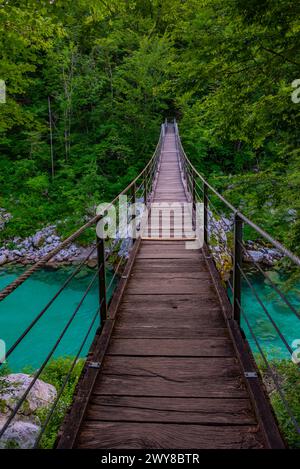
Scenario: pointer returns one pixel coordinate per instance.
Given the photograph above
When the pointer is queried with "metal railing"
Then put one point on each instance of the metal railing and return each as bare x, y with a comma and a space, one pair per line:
233, 243
108, 259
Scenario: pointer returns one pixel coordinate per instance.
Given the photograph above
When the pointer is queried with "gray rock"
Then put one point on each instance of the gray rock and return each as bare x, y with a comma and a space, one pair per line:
274, 253
38, 240
27, 244
16, 252
20, 434
3, 259
255, 256
13, 386
23, 430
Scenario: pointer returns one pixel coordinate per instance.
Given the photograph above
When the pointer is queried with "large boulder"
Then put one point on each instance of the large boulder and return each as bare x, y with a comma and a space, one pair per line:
20, 434
255, 256
24, 428
13, 386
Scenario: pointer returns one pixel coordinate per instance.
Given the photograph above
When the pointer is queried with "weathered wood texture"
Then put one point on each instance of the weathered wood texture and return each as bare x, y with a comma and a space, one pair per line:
170, 377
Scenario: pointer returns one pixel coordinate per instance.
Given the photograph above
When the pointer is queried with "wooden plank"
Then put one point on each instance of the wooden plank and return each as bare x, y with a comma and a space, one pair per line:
176, 377
131, 435
167, 329
168, 247
167, 252
185, 367
138, 275
169, 189
165, 409
167, 286
202, 347
169, 198
168, 224
169, 265
212, 386
167, 238
132, 317
158, 242
201, 304
173, 234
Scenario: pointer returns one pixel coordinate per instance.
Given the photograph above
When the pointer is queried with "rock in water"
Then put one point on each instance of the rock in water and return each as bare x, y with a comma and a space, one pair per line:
273, 276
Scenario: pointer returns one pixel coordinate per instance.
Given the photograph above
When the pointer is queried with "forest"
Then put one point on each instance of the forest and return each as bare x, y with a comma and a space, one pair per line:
89, 82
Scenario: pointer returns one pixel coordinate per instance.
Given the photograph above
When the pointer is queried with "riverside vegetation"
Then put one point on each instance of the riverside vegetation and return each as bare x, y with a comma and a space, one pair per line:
54, 374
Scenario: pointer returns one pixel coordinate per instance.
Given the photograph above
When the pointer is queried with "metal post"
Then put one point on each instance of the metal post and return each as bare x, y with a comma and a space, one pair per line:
191, 180
145, 188
102, 282
237, 263
205, 206
133, 199
194, 199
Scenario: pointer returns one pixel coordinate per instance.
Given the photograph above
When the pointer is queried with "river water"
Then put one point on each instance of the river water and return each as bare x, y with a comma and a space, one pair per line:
22, 306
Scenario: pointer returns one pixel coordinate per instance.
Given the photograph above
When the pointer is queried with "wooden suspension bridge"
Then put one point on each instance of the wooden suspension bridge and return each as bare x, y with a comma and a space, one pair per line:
170, 375
169, 366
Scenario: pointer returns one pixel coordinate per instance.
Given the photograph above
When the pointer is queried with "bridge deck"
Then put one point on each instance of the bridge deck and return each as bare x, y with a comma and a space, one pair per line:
170, 377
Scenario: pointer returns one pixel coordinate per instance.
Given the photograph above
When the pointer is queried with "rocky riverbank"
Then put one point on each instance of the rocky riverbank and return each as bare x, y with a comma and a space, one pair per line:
35, 247
221, 235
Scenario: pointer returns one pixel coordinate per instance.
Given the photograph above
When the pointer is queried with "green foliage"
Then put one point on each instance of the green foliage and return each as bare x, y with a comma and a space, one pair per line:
113, 71
55, 373
288, 376
4, 370
238, 120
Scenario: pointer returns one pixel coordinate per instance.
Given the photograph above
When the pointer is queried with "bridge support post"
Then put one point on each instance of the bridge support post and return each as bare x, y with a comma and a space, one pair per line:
205, 206
145, 189
102, 280
194, 199
133, 200
237, 264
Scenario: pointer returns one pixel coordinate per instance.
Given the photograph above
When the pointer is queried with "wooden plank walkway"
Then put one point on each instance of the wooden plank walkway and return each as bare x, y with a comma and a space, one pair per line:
171, 376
